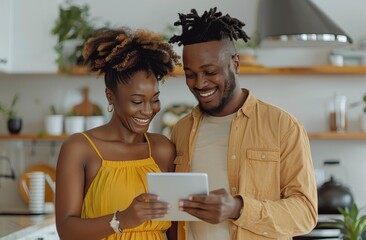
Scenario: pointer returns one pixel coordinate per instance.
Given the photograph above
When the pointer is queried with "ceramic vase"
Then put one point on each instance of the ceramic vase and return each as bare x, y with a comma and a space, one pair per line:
74, 124
54, 124
93, 122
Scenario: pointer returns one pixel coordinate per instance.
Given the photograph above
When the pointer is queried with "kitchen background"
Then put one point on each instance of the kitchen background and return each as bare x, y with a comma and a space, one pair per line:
305, 96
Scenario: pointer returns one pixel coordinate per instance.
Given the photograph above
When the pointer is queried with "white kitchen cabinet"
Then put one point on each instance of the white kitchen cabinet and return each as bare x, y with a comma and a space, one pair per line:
26, 42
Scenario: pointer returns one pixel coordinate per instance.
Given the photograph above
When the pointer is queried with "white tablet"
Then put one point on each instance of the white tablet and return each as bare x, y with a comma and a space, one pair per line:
172, 187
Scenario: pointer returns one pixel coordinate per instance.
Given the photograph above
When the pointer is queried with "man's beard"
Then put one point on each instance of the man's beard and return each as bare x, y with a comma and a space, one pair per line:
230, 85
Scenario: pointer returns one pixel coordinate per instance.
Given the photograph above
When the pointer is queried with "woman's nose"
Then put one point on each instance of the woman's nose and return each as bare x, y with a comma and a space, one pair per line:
147, 110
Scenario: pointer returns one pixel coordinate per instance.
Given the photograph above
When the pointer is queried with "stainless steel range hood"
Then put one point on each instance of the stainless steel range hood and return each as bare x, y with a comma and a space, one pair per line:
297, 23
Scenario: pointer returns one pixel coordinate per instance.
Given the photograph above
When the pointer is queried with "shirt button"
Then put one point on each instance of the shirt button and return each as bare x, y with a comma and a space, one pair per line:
234, 228
233, 157
193, 130
265, 233
263, 156
233, 189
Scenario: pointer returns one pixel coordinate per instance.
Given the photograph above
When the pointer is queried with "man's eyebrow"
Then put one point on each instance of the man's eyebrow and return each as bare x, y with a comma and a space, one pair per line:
203, 66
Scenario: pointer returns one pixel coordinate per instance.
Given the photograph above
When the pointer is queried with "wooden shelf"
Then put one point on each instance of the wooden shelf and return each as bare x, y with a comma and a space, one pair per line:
340, 136
311, 70
33, 137
314, 135
76, 70
261, 70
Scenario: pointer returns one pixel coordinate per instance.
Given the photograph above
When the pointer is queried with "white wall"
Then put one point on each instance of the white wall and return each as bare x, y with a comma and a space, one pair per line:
304, 96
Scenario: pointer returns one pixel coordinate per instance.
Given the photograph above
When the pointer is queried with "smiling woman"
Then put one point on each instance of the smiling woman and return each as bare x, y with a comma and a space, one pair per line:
94, 198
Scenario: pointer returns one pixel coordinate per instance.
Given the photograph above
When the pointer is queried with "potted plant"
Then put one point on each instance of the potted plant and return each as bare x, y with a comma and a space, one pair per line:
352, 226
96, 119
74, 123
171, 115
54, 122
248, 50
72, 28
363, 113
14, 123
168, 32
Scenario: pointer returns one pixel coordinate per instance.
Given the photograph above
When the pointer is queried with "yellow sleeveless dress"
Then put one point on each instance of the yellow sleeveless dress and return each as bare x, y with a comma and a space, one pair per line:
114, 187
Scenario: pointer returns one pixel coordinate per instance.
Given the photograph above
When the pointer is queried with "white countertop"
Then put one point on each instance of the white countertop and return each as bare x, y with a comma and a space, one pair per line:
21, 226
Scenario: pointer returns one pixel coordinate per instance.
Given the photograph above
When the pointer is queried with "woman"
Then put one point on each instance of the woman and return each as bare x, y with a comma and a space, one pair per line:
101, 173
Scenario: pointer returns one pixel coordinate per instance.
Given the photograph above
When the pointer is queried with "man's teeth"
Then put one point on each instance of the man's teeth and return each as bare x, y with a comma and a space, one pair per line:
142, 120
207, 94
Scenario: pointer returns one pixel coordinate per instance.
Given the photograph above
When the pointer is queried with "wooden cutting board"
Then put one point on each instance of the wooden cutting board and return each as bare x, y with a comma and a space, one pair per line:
86, 107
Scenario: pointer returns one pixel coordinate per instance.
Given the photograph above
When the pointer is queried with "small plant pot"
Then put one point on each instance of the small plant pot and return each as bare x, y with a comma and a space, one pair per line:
93, 122
248, 57
363, 122
54, 124
14, 125
74, 124
69, 49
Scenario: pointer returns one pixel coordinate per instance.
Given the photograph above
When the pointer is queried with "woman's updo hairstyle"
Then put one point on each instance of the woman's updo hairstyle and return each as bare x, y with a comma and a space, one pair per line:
119, 53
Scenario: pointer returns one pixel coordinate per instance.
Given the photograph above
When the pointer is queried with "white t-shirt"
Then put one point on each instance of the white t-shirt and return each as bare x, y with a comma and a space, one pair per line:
210, 156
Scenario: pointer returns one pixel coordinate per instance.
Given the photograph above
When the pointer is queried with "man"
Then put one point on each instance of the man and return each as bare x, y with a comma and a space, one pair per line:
257, 156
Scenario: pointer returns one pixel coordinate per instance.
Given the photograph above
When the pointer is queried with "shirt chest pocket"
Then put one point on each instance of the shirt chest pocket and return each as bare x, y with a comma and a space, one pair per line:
263, 173
181, 163
263, 155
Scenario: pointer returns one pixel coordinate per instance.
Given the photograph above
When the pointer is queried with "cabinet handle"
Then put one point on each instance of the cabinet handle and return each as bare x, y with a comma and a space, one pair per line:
3, 60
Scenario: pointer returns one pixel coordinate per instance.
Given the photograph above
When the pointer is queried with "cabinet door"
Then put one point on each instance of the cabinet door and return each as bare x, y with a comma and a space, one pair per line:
29, 45
5, 23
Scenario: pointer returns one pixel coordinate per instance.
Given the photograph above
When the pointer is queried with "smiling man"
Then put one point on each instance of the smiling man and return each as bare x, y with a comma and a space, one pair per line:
257, 155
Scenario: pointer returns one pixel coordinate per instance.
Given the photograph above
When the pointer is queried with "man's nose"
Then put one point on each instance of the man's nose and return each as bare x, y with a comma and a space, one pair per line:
201, 81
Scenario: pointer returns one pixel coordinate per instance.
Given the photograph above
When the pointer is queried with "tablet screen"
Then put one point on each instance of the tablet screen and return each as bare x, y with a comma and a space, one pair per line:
172, 187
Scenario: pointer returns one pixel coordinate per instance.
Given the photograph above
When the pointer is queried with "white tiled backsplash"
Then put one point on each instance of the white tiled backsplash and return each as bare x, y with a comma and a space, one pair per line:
23, 154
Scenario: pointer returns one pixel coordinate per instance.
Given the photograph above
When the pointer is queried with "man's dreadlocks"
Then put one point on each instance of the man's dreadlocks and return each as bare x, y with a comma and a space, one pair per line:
211, 26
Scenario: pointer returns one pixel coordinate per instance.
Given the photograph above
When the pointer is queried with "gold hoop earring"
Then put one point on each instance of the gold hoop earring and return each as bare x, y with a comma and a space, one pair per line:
110, 107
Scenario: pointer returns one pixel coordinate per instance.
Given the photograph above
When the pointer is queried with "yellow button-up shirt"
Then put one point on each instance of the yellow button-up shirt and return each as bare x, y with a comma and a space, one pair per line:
269, 166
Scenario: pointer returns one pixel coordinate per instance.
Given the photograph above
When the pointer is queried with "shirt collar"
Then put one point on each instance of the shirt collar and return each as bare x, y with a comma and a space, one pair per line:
246, 109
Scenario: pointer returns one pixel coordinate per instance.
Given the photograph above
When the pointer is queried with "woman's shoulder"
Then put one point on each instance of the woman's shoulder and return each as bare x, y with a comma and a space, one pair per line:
163, 151
158, 138
76, 142
76, 139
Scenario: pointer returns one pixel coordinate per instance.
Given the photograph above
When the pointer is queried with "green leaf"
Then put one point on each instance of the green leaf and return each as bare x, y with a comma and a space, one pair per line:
53, 110
9, 111
352, 225
14, 101
73, 23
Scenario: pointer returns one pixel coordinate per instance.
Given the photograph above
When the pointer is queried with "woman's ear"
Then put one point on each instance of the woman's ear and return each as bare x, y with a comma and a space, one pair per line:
109, 95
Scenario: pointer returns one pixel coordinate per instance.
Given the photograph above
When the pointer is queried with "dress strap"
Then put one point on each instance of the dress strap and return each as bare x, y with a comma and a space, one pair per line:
148, 143
93, 145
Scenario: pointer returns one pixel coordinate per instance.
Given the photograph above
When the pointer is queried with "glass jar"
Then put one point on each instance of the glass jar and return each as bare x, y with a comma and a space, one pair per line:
338, 113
